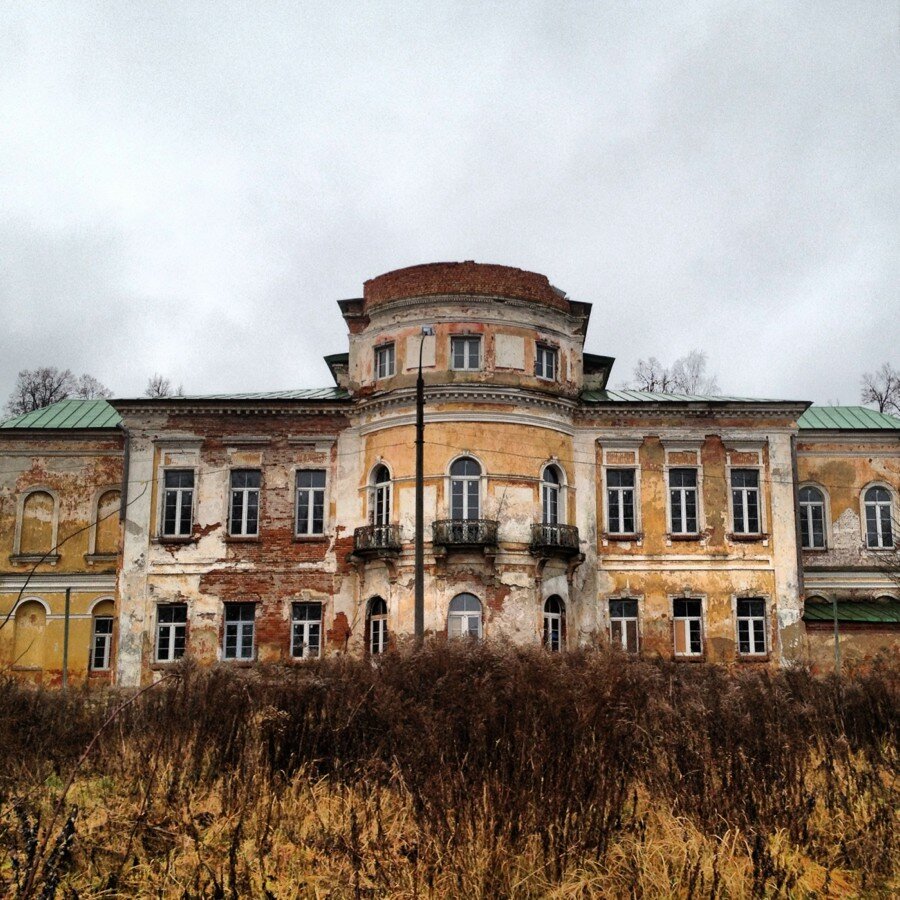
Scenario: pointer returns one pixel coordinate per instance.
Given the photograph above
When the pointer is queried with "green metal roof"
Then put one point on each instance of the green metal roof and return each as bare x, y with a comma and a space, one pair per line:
847, 418
873, 612
627, 396
67, 415
328, 393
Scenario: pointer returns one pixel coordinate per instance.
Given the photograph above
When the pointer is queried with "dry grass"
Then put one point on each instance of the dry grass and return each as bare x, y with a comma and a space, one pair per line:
456, 771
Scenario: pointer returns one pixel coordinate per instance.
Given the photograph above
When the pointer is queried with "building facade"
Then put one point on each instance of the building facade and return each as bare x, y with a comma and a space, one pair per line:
268, 528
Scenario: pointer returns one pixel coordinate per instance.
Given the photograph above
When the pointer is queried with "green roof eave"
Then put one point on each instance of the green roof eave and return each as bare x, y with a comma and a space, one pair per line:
875, 612
66, 415
847, 418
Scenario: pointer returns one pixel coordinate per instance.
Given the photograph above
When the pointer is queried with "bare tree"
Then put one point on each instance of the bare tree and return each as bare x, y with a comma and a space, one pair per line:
160, 386
89, 388
882, 389
37, 388
687, 375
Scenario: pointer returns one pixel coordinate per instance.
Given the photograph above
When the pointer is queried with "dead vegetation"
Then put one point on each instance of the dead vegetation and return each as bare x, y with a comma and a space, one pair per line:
455, 771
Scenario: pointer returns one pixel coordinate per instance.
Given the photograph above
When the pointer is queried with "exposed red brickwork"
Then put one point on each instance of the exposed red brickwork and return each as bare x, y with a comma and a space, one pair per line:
462, 278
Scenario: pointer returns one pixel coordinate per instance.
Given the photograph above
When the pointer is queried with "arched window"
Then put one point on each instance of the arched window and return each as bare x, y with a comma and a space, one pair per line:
812, 518
878, 504
554, 623
465, 489
28, 642
551, 496
38, 524
106, 541
101, 636
380, 509
377, 626
465, 617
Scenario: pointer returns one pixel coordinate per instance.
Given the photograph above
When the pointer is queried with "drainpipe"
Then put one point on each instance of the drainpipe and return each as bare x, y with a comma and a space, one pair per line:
837, 637
126, 465
65, 664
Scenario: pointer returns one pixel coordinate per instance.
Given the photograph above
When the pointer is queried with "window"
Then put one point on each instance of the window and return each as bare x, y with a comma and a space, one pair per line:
751, 622
306, 630
384, 361
745, 500
178, 503
683, 500
240, 620
545, 362
812, 519
101, 643
378, 633
171, 631
465, 353
244, 517
465, 489
311, 501
465, 617
380, 510
554, 624
688, 615
550, 496
623, 624
620, 501
879, 534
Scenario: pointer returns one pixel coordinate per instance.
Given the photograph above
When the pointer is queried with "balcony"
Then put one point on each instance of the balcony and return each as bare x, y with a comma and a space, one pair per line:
554, 540
376, 540
452, 534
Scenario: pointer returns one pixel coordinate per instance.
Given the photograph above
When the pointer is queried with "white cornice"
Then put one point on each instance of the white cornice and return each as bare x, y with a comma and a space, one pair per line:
36, 584
486, 416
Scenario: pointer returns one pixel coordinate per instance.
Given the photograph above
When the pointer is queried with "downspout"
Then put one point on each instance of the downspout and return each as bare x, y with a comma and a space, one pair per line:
798, 541
123, 494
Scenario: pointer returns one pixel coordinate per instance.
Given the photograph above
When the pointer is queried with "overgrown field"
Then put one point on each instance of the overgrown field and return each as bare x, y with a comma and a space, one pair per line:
455, 771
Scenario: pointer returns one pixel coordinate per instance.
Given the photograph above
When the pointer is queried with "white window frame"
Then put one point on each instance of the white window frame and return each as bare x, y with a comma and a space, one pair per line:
385, 360
386, 490
542, 353
244, 492
621, 491
465, 479
549, 488
745, 506
309, 515
171, 628
240, 626
682, 500
892, 516
464, 617
751, 631
179, 503
300, 631
826, 515
378, 629
468, 341
105, 638
559, 618
622, 639
684, 621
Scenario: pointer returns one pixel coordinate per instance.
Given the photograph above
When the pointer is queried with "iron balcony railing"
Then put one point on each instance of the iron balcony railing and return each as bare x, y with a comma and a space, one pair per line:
464, 532
376, 539
562, 539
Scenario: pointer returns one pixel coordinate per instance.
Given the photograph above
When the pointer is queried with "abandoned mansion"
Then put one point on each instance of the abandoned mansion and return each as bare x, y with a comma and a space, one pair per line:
247, 529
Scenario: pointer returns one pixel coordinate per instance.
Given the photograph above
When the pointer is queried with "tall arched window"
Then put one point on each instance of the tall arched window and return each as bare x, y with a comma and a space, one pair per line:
380, 510
101, 636
465, 617
812, 519
554, 623
106, 541
28, 642
377, 626
465, 489
551, 496
38, 524
878, 504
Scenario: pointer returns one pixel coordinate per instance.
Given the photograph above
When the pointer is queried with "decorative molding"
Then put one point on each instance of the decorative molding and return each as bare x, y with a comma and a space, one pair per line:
12, 584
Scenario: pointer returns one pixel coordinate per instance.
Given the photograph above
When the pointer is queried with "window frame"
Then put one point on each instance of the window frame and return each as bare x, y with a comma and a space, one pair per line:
304, 629
386, 488
244, 535
177, 535
465, 479
239, 633
635, 501
760, 532
689, 653
764, 618
622, 640
380, 350
683, 491
172, 629
559, 488
377, 631
826, 516
467, 340
107, 640
311, 535
548, 620
542, 351
892, 516
464, 616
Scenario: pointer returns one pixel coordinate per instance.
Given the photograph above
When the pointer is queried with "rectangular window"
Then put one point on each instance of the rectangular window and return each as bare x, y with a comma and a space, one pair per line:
240, 630
244, 513
688, 616
465, 353
306, 630
623, 624
311, 501
745, 500
683, 500
751, 622
384, 361
171, 630
545, 362
178, 503
101, 643
620, 501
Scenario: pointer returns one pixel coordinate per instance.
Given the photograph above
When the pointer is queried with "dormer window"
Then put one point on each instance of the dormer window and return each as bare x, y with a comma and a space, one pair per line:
384, 361
546, 361
465, 353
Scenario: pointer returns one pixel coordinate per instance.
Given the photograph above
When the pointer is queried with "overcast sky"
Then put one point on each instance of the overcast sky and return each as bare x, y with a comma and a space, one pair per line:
189, 188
